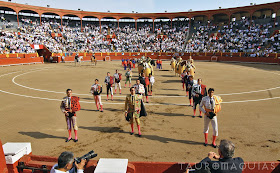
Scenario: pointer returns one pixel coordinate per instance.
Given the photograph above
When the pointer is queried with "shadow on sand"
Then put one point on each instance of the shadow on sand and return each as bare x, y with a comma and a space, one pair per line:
150, 137
40, 135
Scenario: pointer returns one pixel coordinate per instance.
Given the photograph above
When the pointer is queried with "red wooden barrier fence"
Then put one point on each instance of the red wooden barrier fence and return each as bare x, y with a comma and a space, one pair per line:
149, 167
9, 59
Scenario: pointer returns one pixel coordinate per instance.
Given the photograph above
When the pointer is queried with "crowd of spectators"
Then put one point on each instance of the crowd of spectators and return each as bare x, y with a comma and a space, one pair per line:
242, 36
253, 39
11, 42
5, 22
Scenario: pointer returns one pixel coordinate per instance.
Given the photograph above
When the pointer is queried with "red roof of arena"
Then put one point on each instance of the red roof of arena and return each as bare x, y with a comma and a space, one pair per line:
209, 13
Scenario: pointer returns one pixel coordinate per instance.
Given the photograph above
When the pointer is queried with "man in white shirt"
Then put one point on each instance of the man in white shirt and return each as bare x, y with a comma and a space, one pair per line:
139, 88
96, 90
207, 106
65, 164
117, 82
150, 86
109, 81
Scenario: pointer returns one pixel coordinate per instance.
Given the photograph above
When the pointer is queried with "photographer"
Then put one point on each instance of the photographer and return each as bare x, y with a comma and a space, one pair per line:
226, 163
66, 164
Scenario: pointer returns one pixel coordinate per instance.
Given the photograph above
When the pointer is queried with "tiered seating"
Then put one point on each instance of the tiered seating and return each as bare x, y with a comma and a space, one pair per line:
255, 38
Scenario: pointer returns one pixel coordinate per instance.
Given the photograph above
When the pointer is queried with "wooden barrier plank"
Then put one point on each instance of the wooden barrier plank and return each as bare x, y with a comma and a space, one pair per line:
15, 61
152, 167
19, 58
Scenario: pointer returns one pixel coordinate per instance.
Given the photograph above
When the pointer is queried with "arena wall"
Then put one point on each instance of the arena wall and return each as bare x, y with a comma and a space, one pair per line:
20, 59
221, 57
3, 167
14, 59
147, 167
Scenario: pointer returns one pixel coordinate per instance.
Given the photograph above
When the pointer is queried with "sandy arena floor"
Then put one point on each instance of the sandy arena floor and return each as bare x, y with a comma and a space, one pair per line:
30, 99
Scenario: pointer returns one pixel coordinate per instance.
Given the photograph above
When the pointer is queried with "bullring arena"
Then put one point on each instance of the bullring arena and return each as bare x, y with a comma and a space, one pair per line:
249, 112
33, 84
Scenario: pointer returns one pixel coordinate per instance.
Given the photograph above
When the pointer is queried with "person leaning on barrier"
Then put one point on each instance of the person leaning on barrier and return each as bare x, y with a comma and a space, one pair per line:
66, 164
226, 163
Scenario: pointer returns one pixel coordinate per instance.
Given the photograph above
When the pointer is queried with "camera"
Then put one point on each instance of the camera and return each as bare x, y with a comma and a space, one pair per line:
87, 156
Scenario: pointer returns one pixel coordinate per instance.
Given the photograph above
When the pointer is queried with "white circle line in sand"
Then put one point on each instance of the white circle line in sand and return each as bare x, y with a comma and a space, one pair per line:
57, 92
159, 96
148, 104
248, 92
18, 72
152, 104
